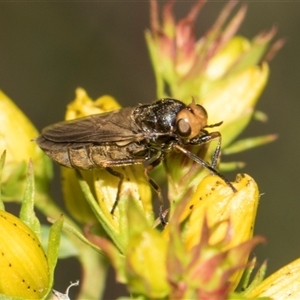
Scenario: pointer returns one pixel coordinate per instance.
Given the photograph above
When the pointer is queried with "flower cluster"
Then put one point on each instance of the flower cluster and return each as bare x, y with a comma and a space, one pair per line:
203, 250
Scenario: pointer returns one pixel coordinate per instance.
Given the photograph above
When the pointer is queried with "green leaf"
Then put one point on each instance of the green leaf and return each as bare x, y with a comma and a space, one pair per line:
244, 282
27, 214
80, 237
260, 116
53, 248
259, 277
231, 166
249, 143
67, 247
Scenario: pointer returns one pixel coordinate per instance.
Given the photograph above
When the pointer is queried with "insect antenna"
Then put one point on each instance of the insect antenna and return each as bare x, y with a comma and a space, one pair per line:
206, 165
213, 125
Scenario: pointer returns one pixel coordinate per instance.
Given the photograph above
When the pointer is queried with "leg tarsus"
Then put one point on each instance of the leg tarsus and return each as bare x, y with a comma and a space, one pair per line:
121, 177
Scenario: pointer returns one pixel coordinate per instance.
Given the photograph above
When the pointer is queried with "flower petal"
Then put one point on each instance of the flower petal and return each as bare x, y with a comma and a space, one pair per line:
283, 284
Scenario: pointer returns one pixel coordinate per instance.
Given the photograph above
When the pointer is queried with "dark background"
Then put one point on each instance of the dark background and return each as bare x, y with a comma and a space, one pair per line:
48, 49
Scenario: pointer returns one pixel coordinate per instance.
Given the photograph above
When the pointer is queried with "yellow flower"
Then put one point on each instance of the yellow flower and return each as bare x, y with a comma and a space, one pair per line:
16, 134
23, 263
202, 252
214, 228
283, 284
216, 202
74, 199
103, 185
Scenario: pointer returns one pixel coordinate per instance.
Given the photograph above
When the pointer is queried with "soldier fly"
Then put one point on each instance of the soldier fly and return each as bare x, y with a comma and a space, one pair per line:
132, 135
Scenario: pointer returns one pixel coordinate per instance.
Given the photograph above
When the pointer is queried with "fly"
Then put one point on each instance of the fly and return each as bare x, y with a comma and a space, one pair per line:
132, 135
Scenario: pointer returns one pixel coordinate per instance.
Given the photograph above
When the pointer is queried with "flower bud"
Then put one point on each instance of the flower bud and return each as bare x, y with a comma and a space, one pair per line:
16, 134
233, 102
217, 202
24, 267
146, 270
145, 256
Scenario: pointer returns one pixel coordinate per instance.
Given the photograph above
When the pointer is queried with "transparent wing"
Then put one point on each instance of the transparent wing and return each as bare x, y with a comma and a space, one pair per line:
114, 126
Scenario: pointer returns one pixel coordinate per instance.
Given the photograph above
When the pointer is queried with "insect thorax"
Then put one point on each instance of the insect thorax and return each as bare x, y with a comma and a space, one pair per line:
159, 117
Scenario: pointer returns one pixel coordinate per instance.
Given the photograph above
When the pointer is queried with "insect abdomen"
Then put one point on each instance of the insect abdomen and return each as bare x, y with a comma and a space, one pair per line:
71, 158
90, 156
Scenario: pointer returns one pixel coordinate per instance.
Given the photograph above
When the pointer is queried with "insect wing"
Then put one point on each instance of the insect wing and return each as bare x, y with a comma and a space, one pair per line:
114, 126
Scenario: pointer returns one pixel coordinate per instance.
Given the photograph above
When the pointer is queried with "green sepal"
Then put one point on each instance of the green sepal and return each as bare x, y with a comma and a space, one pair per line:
27, 214
249, 143
69, 251
53, 249
258, 278
231, 166
67, 248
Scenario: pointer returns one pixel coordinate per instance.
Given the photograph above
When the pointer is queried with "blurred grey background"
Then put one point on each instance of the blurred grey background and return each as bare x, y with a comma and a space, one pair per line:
48, 49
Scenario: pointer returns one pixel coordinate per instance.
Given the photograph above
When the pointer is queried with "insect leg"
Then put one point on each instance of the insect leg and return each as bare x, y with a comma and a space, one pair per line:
207, 138
117, 163
216, 155
156, 187
206, 165
121, 177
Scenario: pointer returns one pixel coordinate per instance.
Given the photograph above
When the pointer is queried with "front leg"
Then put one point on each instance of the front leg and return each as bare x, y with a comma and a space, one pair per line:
207, 138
